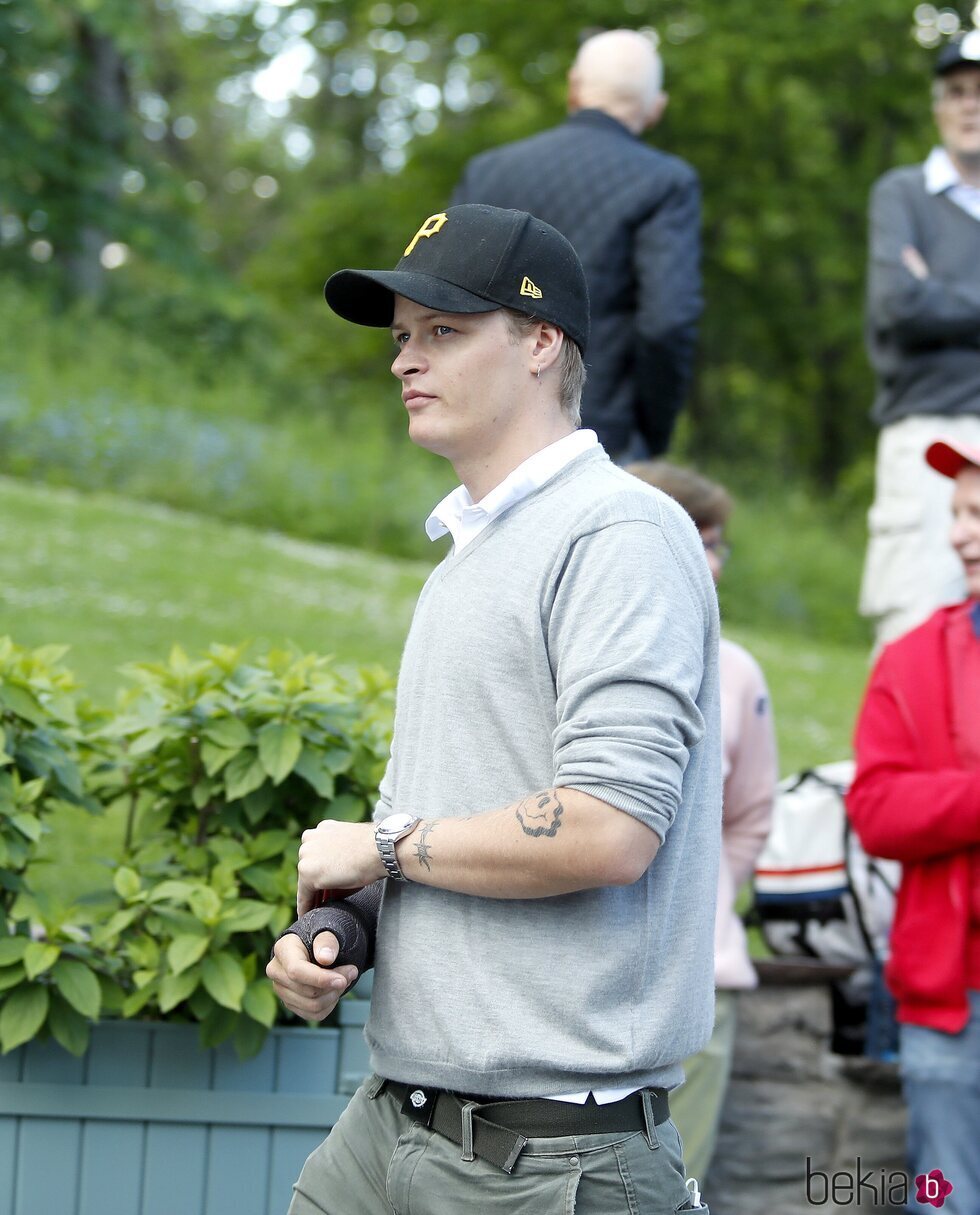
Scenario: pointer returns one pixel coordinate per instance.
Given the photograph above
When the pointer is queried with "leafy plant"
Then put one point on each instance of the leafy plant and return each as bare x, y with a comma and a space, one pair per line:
222, 764
213, 766
50, 978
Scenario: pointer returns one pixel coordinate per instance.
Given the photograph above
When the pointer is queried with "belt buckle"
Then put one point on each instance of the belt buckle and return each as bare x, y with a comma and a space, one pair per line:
420, 1105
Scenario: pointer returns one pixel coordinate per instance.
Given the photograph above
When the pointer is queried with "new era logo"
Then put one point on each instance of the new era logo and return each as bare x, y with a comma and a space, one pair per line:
528, 288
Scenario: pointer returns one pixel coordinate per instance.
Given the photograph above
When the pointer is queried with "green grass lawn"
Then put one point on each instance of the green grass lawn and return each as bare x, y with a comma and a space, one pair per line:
119, 580
816, 691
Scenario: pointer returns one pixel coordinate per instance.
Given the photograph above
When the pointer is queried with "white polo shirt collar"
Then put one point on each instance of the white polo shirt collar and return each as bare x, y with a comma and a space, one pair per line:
462, 518
942, 177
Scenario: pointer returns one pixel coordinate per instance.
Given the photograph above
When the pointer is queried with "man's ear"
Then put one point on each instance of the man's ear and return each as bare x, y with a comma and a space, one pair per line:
574, 98
655, 111
547, 345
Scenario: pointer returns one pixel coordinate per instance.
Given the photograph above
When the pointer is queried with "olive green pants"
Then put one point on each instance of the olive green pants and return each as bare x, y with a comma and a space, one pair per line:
696, 1106
376, 1161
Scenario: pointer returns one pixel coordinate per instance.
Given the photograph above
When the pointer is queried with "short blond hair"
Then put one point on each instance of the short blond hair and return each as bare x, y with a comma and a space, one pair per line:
570, 367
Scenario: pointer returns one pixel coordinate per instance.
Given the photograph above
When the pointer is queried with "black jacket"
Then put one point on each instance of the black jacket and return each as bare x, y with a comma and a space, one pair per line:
633, 215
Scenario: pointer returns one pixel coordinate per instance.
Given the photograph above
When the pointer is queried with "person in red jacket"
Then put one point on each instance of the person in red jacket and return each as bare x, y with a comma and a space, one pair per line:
916, 797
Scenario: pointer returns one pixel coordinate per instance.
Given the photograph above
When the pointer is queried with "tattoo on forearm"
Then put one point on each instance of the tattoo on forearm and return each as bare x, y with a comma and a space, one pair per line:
540, 814
422, 850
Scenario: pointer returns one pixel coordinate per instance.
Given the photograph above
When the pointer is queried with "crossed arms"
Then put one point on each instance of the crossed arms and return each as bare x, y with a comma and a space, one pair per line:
904, 296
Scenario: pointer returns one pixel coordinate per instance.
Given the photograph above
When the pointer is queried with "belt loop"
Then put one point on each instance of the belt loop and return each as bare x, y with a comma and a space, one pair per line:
467, 1118
373, 1086
648, 1119
520, 1143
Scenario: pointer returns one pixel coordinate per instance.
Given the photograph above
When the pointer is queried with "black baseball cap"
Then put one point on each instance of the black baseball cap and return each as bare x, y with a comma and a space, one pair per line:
474, 258
963, 49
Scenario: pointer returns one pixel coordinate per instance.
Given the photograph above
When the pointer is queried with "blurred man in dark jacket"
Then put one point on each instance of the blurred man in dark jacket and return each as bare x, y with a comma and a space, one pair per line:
633, 214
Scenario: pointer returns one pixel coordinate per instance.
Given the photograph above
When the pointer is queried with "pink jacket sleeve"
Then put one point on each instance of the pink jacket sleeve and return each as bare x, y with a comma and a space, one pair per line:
751, 769
750, 775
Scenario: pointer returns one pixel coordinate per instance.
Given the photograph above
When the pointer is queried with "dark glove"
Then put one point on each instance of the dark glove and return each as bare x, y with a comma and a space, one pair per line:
352, 920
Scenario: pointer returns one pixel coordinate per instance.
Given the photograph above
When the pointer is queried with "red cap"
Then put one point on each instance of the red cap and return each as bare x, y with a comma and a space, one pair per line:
949, 458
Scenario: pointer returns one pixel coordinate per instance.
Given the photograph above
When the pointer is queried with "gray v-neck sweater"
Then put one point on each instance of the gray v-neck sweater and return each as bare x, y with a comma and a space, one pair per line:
573, 643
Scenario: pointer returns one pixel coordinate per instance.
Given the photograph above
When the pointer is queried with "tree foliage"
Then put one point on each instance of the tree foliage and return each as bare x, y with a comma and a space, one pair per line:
242, 151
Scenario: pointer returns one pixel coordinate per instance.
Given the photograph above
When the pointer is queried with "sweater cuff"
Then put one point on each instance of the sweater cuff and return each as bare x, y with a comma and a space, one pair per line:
655, 819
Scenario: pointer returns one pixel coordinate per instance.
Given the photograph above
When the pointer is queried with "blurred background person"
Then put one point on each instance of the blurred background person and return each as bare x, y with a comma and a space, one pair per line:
916, 797
750, 771
923, 336
633, 214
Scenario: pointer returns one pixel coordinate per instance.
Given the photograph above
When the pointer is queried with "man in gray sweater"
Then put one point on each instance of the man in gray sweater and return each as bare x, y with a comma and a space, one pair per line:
537, 889
923, 335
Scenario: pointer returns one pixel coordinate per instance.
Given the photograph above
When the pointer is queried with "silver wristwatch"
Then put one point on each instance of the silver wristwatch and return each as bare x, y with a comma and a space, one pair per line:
387, 833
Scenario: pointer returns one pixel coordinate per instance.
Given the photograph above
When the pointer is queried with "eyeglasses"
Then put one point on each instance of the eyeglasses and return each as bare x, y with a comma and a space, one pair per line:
721, 549
959, 92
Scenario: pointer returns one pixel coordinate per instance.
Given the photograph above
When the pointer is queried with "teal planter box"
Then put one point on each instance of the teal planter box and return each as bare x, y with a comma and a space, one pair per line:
354, 1059
148, 1123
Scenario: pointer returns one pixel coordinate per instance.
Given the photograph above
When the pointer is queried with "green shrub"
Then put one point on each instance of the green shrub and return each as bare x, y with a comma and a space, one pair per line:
215, 765
51, 979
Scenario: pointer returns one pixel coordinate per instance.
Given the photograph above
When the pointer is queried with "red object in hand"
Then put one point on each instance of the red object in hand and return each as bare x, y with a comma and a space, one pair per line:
321, 897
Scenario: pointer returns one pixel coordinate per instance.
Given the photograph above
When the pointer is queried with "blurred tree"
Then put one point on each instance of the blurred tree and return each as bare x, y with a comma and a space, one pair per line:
84, 176
239, 150
29, 47
67, 111
788, 113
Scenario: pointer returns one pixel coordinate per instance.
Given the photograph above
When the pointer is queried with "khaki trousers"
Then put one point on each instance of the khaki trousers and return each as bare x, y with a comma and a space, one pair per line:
376, 1161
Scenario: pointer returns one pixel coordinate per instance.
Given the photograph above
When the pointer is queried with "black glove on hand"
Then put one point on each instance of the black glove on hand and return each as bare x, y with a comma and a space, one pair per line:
353, 922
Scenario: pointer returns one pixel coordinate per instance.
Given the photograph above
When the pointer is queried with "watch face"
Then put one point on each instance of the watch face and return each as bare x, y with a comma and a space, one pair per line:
396, 822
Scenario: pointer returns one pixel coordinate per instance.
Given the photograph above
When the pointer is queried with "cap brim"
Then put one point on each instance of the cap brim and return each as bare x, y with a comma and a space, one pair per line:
943, 69
963, 51
951, 458
367, 297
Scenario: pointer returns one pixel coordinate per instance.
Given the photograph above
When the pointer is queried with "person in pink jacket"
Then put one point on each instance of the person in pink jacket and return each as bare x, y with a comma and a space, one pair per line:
750, 772
916, 797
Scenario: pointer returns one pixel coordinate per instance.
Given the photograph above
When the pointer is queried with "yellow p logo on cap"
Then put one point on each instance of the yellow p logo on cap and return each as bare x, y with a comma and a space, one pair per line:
429, 228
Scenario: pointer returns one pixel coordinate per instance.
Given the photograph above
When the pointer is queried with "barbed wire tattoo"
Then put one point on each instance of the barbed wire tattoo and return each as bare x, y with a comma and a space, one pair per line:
422, 850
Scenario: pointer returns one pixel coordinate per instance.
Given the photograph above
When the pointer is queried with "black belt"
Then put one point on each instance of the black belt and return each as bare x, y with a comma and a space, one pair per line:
499, 1130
